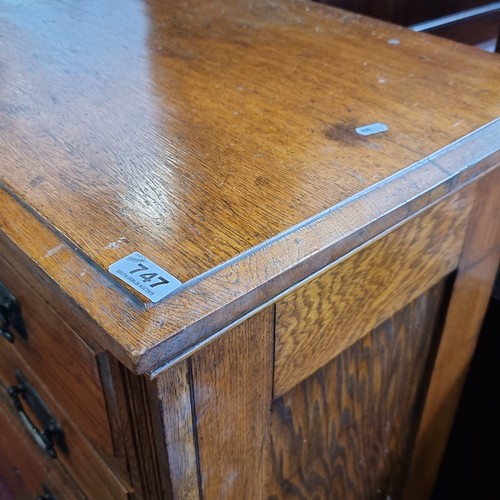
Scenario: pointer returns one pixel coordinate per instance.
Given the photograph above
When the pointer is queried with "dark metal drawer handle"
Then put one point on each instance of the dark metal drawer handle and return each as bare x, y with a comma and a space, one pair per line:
51, 432
3, 329
47, 494
10, 315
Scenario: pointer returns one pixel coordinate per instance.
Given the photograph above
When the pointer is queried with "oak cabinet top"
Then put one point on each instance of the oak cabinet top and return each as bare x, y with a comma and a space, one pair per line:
218, 139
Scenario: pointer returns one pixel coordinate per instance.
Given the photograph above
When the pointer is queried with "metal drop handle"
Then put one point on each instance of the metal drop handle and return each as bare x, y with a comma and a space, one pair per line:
51, 432
10, 316
47, 494
4, 332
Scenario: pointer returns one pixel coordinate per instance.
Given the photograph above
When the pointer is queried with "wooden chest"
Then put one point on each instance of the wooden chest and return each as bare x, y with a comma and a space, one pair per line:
324, 187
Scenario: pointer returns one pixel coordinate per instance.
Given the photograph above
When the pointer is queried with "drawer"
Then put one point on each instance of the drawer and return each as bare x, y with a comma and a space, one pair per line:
60, 358
27, 474
30, 399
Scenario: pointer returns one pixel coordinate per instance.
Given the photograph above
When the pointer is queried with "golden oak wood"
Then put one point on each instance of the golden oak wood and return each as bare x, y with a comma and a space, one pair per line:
156, 422
324, 317
190, 112
124, 421
197, 156
219, 140
175, 392
117, 421
142, 423
471, 293
345, 431
232, 381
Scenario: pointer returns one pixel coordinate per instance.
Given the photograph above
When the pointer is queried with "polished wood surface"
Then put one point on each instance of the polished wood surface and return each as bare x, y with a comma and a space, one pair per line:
344, 433
471, 293
159, 146
201, 133
219, 139
327, 315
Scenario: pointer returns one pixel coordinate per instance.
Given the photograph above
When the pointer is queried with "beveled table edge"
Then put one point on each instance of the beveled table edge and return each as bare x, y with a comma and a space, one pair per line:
149, 338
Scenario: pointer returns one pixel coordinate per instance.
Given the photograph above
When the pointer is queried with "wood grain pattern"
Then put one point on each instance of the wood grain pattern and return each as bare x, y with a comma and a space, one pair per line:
471, 293
145, 439
218, 139
232, 381
62, 360
324, 317
196, 119
244, 284
175, 394
158, 431
344, 432
24, 471
221, 158
124, 422
87, 468
118, 420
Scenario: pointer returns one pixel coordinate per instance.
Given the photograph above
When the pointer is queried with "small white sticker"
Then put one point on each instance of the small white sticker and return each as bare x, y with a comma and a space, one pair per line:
373, 128
145, 276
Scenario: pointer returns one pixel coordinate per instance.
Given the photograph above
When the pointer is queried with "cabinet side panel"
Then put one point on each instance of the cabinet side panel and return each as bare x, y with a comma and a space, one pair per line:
232, 380
471, 292
344, 432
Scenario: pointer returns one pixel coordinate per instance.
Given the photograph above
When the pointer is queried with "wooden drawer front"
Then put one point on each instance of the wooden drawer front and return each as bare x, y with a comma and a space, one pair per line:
322, 318
65, 364
77, 456
25, 472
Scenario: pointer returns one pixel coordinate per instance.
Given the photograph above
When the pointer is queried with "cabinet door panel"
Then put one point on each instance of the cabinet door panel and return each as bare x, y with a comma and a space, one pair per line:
346, 430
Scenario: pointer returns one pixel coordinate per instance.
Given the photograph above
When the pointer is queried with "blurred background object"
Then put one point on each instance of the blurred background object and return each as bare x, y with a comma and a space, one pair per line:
474, 22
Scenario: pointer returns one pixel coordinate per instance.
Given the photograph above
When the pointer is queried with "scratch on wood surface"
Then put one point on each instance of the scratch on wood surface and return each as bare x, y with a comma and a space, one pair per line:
116, 244
53, 251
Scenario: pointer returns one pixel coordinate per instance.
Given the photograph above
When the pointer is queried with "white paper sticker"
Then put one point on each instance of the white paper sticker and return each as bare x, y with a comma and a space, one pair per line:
373, 128
145, 276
